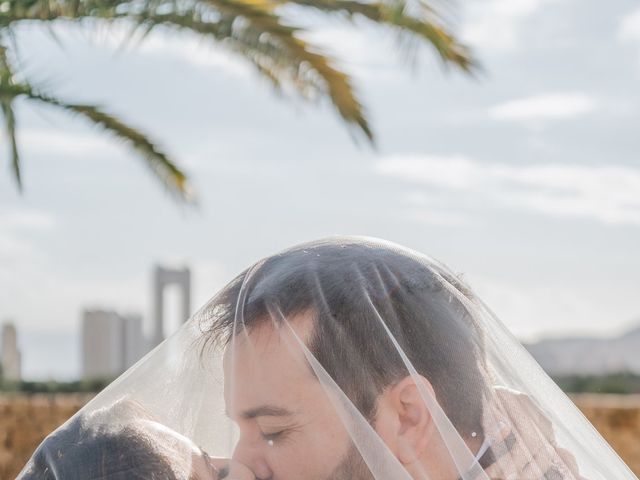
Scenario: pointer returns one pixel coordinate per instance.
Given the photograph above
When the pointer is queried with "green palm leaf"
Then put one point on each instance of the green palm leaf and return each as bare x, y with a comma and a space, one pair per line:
428, 27
6, 78
258, 31
278, 55
10, 126
159, 162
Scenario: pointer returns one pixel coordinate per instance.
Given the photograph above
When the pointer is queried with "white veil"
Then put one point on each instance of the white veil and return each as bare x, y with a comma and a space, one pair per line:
344, 358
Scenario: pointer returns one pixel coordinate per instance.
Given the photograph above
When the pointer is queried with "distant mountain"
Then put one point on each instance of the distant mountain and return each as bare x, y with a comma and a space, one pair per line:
589, 356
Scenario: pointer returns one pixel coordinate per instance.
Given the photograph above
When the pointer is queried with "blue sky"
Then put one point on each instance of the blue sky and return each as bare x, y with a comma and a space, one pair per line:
525, 179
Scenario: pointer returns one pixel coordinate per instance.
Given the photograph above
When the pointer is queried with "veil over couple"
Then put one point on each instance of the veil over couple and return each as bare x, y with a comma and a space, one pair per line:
345, 358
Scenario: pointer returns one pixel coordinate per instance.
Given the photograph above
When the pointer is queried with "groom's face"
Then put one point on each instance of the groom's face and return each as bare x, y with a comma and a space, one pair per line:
289, 428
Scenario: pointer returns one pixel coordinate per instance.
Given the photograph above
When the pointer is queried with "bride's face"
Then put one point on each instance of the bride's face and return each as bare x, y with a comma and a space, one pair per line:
289, 428
200, 465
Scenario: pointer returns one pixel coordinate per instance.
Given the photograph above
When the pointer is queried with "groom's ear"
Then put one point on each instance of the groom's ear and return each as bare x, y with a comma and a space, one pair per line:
403, 419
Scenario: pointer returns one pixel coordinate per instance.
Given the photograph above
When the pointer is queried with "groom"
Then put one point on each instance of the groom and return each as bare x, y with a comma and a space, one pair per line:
335, 307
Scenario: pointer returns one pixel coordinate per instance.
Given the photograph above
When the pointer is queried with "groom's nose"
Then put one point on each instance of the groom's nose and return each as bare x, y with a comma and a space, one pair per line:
251, 455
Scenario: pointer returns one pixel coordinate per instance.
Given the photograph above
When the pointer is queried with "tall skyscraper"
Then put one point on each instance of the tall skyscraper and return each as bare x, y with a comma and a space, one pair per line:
161, 278
135, 343
111, 343
11, 358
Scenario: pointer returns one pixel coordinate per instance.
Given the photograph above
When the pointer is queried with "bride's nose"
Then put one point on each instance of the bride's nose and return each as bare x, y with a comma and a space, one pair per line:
251, 455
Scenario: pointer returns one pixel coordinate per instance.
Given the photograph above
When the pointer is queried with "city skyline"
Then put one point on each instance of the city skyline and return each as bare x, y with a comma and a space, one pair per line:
112, 341
40, 348
524, 180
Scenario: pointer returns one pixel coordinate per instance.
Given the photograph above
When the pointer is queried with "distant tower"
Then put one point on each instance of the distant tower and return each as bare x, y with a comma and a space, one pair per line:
161, 278
11, 358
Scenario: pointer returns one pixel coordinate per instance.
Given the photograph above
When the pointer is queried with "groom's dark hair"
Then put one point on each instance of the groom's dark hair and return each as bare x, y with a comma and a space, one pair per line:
356, 290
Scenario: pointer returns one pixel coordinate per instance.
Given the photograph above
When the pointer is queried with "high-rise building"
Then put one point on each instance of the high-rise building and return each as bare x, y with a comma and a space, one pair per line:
111, 343
161, 278
11, 358
135, 343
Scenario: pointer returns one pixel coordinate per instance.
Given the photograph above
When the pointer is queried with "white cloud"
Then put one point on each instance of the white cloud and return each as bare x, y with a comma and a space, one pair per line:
455, 171
547, 106
16, 246
493, 25
193, 50
57, 142
604, 193
25, 220
537, 309
36, 294
12, 250
431, 217
421, 209
363, 52
629, 29
183, 46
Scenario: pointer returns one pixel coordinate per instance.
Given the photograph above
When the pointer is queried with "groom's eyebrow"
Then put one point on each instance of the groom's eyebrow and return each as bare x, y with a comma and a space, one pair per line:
266, 411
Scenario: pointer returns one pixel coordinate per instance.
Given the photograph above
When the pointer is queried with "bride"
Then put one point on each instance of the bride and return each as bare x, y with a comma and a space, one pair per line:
123, 442
344, 358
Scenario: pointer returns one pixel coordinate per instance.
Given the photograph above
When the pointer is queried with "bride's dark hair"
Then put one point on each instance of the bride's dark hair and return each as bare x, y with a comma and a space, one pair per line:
351, 288
86, 448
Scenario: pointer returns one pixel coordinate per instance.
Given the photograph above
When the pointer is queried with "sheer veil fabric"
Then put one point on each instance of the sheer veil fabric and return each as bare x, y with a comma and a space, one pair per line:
343, 358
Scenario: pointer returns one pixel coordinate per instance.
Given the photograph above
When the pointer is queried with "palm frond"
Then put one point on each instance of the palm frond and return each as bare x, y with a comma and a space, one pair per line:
428, 27
160, 164
276, 52
311, 72
6, 105
48, 10
259, 31
172, 177
305, 60
10, 126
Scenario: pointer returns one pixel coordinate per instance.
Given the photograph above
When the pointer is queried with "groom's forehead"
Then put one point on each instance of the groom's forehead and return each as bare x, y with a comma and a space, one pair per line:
266, 365
293, 332
273, 350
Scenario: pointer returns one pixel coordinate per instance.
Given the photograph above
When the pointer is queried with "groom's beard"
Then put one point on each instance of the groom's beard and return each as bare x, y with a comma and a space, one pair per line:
352, 467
